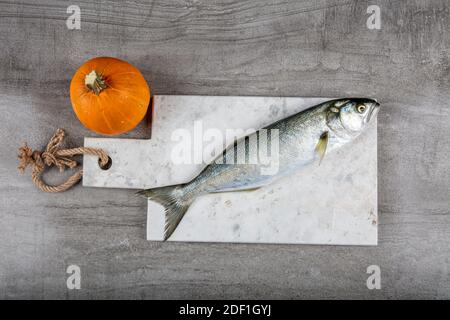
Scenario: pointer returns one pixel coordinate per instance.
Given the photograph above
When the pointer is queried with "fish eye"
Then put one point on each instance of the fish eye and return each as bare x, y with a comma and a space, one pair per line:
361, 108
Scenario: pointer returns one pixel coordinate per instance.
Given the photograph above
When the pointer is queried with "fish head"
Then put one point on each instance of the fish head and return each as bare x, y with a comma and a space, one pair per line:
355, 113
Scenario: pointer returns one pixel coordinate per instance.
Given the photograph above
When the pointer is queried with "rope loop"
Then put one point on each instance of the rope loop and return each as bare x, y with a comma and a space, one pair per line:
53, 156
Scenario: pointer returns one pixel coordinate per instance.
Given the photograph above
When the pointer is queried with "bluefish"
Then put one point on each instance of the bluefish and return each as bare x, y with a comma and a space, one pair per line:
302, 139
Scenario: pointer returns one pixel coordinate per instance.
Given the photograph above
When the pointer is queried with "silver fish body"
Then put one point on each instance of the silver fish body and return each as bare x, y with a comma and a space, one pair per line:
300, 140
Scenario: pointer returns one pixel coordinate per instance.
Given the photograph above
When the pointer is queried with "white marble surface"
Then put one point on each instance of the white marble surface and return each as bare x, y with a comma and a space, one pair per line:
335, 203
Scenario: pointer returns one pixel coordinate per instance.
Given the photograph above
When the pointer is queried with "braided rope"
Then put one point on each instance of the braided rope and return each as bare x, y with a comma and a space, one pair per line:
58, 157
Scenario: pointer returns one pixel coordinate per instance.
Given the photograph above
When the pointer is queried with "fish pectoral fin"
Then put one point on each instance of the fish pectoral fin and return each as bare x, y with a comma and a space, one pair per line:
321, 146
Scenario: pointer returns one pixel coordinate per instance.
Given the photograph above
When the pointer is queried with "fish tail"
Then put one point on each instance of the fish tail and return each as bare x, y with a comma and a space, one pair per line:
175, 201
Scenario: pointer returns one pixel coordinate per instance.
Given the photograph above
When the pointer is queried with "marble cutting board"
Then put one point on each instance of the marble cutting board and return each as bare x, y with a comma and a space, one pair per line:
334, 203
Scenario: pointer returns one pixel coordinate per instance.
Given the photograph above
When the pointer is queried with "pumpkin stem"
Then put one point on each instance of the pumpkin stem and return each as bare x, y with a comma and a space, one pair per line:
95, 82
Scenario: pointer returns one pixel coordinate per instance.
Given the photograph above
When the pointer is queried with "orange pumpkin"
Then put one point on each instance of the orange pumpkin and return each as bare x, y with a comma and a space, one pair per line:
109, 96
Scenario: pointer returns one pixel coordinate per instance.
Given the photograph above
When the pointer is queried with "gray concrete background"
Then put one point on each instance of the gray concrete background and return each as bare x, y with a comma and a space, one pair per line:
271, 48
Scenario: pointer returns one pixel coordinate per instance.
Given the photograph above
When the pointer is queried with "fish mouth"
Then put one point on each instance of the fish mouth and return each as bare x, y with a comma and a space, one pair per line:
375, 107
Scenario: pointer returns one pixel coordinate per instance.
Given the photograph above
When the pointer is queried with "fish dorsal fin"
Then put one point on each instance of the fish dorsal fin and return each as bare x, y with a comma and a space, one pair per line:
321, 146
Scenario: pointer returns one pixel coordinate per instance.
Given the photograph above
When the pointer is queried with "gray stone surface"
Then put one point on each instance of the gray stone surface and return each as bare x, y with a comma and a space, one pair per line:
289, 48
